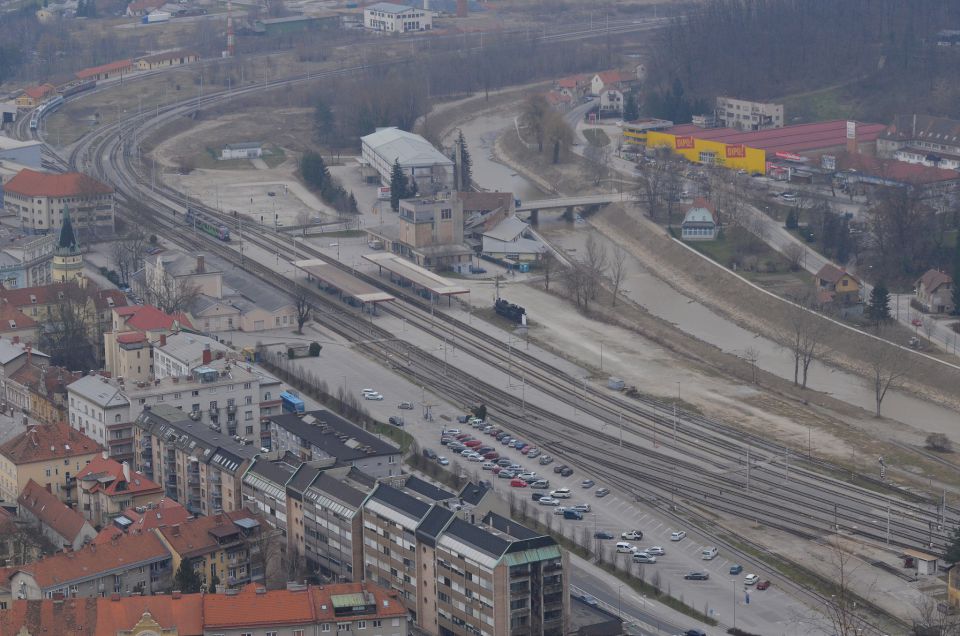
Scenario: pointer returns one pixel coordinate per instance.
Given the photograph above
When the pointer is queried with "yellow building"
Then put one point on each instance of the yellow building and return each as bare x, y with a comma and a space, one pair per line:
49, 454
697, 149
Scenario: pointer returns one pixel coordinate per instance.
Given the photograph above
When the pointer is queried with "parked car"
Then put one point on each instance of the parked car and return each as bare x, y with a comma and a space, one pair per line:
405, 406
643, 557
445, 440
429, 453
559, 510
587, 483
474, 458
537, 496
518, 444
545, 459
582, 507
504, 461
473, 443
736, 568
487, 465
540, 484
566, 472
751, 579
506, 474
561, 493
506, 441
602, 492
655, 550
526, 449
483, 450
589, 600
463, 419
679, 535
633, 535
456, 447
572, 513
496, 470
368, 390
443, 461
492, 455
694, 632
376, 397
602, 534
451, 431
762, 585
396, 421
697, 576
518, 483
559, 467
534, 453
549, 501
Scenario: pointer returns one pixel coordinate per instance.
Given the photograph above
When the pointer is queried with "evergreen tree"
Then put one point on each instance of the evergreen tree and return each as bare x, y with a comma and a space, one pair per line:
952, 554
352, 204
843, 242
323, 121
956, 277
878, 309
631, 109
792, 223
314, 171
186, 580
466, 164
398, 185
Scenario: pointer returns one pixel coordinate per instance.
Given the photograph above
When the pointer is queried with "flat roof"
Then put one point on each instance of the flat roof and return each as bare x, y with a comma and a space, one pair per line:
417, 275
798, 138
345, 282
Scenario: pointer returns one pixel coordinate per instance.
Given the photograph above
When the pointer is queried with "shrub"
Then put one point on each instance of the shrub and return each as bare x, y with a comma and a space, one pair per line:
315, 349
939, 442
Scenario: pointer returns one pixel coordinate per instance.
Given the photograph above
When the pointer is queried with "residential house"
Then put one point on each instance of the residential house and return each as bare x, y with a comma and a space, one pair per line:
130, 563
744, 114
107, 488
40, 200
574, 86
320, 434
299, 610
98, 407
49, 454
165, 512
514, 240
164, 60
14, 354
325, 504
28, 262
560, 102
483, 211
227, 547
32, 96
244, 150
935, 292
396, 18
133, 333
922, 139
699, 222
40, 392
420, 161
430, 233
836, 287
139, 8
63, 526
198, 466
611, 87
16, 324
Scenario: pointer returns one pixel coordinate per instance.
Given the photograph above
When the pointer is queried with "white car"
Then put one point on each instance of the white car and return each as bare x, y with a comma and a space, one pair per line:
559, 510
443, 461
548, 501
488, 465
561, 493
679, 535
373, 396
655, 550
633, 535
582, 507
365, 391
750, 579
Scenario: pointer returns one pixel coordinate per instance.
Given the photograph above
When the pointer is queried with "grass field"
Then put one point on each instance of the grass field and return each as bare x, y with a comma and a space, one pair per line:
596, 137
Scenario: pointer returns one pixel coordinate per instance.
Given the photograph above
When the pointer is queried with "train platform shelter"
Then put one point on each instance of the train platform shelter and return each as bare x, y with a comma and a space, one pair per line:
407, 274
351, 289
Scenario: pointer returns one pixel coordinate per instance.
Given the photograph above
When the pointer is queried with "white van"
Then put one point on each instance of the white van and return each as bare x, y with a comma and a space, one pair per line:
561, 493
708, 554
623, 546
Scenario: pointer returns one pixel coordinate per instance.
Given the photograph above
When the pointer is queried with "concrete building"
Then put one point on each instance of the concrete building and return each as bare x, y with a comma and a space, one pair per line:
40, 199
396, 18
14, 354
63, 526
49, 454
429, 232
320, 434
245, 150
24, 153
107, 488
420, 161
265, 483
98, 408
744, 114
153, 514
922, 139
40, 391
198, 466
44, 301
134, 563
179, 353
129, 340
514, 240
28, 262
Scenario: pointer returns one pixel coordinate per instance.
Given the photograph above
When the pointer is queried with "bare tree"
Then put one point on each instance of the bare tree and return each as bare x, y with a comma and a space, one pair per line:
596, 263
841, 613
128, 254
806, 340
618, 271
534, 117
559, 135
304, 307
169, 294
886, 367
548, 264
303, 220
70, 332
794, 254
266, 551
752, 355
934, 618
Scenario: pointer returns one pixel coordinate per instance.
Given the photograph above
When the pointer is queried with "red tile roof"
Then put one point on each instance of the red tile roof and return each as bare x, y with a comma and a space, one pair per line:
49, 381
51, 511
832, 274
33, 183
897, 171
933, 279
557, 98
125, 551
71, 617
573, 81
197, 537
167, 512
799, 138
48, 294
140, 5
104, 68
614, 77
96, 474
39, 92
149, 318
130, 337
183, 612
250, 609
387, 605
44, 442
12, 319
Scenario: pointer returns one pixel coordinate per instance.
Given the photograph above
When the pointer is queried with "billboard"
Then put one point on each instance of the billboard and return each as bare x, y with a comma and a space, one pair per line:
851, 130
828, 162
736, 152
683, 142
789, 156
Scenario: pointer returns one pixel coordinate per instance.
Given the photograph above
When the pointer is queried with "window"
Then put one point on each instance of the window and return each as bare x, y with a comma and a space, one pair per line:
325, 627
361, 624
343, 627
446, 214
270, 634
176, 396
195, 393
266, 395
248, 415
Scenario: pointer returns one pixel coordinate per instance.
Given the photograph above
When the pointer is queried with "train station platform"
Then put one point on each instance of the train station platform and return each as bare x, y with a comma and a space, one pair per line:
350, 288
407, 274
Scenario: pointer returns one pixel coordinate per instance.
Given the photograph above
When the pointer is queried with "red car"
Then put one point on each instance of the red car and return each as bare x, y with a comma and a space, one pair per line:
762, 585
494, 432
518, 483
526, 449
492, 456
472, 443
496, 470
463, 436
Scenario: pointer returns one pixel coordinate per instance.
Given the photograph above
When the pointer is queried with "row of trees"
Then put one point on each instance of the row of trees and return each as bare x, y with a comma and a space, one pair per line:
547, 126
314, 172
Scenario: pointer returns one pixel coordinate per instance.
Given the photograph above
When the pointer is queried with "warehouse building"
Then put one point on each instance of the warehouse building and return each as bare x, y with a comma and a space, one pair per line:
754, 152
420, 161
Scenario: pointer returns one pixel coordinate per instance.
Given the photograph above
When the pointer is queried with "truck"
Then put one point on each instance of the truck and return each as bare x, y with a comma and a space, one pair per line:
156, 16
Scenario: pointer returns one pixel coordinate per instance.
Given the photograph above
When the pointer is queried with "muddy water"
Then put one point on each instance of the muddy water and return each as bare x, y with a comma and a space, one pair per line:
665, 302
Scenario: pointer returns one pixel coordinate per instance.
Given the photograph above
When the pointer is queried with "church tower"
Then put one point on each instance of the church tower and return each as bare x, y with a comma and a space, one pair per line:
67, 263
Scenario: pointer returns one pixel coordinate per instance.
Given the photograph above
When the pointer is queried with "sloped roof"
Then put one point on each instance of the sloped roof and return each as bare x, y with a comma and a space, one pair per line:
10, 350
103, 394
106, 475
832, 273
166, 512
149, 318
484, 201
387, 606
388, 7
38, 92
33, 183
67, 240
896, 171
199, 536
184, 613
45, 506
612, 77
933, 279
700, 211
925, 127
409, 149
508, 229
250, 609
104, 68
44, 442
169, 55
12, 319
71, 617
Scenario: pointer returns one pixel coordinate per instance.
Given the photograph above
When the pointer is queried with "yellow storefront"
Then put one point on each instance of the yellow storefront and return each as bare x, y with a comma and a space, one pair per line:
733, 156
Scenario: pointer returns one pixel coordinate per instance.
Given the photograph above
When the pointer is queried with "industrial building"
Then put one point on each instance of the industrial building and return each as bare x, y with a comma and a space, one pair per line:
755, 151
420, 161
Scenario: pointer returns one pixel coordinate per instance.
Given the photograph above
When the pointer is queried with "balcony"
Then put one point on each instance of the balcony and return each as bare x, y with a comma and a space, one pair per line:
214, 478
231, 408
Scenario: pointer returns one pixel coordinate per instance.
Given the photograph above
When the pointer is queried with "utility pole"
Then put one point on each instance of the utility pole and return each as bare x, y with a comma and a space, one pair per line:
786, 462
621, 428
748, 466
888, 524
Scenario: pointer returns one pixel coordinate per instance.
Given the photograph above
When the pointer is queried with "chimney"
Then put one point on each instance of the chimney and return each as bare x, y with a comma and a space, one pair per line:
176, 530
207, 354
200, 267
913, 132
163, 340
126, 472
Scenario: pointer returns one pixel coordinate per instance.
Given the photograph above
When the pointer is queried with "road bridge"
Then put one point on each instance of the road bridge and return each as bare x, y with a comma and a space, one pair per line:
568, 204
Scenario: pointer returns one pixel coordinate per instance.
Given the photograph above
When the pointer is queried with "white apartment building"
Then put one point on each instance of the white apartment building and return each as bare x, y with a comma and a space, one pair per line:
396, 18
746, 115
98, 408
184, 351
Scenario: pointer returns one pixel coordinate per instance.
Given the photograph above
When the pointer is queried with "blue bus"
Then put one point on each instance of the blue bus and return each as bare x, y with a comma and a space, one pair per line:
291, 403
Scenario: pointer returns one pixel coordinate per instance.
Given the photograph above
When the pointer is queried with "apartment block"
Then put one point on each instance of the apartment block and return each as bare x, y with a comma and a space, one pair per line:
108, 487
265, 486
747, 115
49, 454
98, 408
